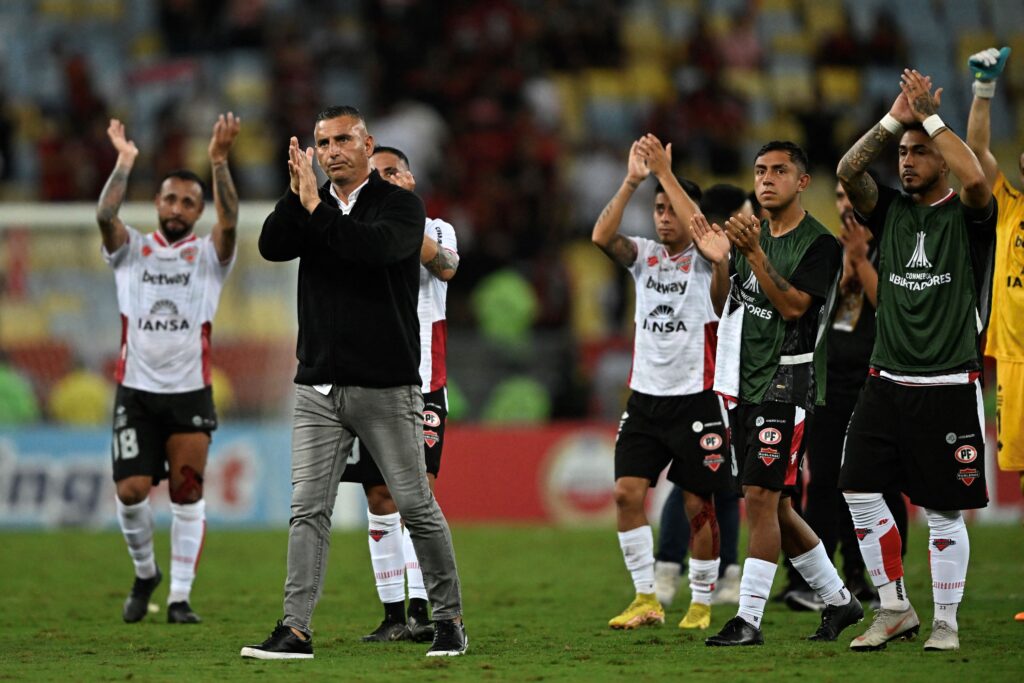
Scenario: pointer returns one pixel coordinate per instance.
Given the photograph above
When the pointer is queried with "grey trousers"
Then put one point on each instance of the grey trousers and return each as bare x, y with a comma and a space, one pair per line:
390, 422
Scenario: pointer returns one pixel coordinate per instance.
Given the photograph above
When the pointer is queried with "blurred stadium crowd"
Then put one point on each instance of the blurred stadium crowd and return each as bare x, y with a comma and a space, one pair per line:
516, 115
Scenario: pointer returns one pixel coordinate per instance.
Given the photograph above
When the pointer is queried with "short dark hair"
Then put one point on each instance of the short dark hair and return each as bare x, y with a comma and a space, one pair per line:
796, 154
384, 149
184, 174
721, 201
340, 110
692, 189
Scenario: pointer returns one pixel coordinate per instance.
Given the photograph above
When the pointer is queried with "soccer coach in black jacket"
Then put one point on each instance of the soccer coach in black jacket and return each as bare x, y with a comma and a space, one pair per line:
358, 241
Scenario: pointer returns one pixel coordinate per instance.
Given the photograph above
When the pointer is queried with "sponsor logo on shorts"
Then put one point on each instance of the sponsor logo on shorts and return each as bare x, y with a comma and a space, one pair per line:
966, 454
377, 534
713, 461
697, 426
711, 442
188, 254
967, 475
197, 420
943, 543
768, 456
431, 419
759, 421
770, 436
951, 438
862, 533
430, 438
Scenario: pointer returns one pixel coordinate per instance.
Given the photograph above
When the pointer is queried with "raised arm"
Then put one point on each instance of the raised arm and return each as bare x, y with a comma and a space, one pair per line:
745, 233
225, 197
606, 235
659, 161
715, 246
112, 228
856, 264
975, 191
986, 66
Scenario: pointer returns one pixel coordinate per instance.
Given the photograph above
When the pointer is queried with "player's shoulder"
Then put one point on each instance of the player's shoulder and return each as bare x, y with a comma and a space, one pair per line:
812, 225
1003, 190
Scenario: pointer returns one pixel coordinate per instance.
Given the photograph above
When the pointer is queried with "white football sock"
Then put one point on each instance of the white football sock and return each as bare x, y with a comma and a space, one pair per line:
949, 551
188, 528
638, 552
755, 587
703, 574
880, 546
413, 573
821, 575
386, 555
137, 527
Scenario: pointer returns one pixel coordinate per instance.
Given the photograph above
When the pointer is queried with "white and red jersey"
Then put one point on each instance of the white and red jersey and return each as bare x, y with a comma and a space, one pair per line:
676, 325
431, 309
168, 296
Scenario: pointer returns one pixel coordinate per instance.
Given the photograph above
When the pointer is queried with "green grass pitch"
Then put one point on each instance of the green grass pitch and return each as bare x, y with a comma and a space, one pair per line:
537, 601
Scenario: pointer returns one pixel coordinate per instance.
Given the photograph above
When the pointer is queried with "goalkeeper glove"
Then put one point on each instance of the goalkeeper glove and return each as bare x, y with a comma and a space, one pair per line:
986, 66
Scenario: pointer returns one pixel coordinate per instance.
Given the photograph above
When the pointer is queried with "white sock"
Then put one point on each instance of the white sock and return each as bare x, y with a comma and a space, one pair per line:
386, 556
703, 574
880, 546
949, 551
413, 573
188, 528
821, 575
755, 587
137, 527
638, 551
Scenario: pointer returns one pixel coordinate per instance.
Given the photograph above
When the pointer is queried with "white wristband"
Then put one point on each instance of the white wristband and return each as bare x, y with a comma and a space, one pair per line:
891, 124
933, 124
984, 89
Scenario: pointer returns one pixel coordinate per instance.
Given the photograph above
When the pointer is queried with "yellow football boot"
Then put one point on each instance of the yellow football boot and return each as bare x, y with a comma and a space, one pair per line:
645, 609
698, 616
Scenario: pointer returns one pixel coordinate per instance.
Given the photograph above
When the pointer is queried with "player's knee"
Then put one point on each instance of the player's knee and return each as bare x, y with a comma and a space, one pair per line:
761, 501
627, 496
187, 487
132, 492
700, 512
379, 500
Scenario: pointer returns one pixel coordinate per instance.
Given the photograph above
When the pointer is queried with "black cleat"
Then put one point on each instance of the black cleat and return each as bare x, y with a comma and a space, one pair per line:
137, 604
449, 639
421, 630
388, 631
282, 644
837, 617
803, 601
181, 613
736, 632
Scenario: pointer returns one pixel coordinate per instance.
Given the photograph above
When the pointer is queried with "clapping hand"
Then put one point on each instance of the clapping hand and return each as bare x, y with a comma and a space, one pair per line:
709, 239
745, 233
225, 130
126, 149
300, 172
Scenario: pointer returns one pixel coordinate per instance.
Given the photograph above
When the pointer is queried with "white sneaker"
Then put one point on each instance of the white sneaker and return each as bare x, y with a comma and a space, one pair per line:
943, 637
666, 581
727, 588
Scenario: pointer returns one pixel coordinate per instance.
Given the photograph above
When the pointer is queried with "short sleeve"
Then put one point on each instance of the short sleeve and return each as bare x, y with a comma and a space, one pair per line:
817, 269
642, 250
209, 254
875, 222
981, 220
120, 256
443, 233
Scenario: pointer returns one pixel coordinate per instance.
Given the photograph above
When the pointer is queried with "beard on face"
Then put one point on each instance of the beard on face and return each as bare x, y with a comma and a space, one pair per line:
174, 229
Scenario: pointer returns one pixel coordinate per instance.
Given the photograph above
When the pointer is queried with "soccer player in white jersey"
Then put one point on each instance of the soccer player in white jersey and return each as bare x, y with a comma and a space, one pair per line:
672, 417
391, 552
168, 285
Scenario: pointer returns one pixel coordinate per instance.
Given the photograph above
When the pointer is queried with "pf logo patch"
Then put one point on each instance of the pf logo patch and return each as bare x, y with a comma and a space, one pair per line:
377, 534
430, 438
966, 454
713, 461
967, 475
710, 442
770, 436
943, 543
431, 419
768, 456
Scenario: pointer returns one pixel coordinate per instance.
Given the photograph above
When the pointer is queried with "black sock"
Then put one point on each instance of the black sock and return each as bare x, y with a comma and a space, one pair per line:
418, 609
395, 612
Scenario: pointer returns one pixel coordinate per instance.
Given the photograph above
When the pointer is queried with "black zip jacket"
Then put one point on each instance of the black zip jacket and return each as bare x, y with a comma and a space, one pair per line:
358, 284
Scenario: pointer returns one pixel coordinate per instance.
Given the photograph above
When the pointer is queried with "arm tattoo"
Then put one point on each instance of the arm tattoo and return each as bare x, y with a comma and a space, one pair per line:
622, 250
225, 195
863, 152
608, 207
777, 279
112, 196
443, 260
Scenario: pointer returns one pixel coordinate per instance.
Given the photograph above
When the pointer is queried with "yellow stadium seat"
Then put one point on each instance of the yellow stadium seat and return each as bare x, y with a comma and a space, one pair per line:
839, 86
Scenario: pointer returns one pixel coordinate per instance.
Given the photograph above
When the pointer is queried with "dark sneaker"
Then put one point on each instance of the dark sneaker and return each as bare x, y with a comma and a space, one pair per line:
736, 632
282, 644
420, 630
388, 631
837, 617
804, 601
181, 613
137, 604
449, 639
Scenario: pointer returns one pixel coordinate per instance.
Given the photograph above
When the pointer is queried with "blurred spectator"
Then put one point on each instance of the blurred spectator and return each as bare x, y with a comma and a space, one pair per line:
887, 46
740, 46
17, 402
840, 47
81, 398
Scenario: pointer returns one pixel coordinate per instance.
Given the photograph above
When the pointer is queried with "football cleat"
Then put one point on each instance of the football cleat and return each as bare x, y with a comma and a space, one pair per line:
943, 638
282, 644
737, 631
137, 603
698, 616
420, 630
804, 601
727, 588
666, 581
181, 613
887, 625
450, 639
645, 609
388, 631
835, 618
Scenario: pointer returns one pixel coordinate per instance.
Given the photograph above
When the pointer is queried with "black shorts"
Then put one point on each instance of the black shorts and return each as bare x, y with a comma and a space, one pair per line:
690, 432
143, 421
360, 467
927, 441
770, 445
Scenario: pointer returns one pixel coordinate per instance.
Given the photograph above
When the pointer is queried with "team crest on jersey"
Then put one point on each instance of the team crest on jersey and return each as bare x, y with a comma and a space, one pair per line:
188, 254
431, 419
943, 543
770, 436
768, 456
710, 442
685, 263
713, 461
966, 454
377, 534
919, 259
967, 475
652, 261
430, 438
751, 285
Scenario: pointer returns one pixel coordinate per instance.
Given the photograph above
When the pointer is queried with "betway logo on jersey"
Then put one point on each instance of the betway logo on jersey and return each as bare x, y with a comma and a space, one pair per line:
666, 287
660, 320
164, 279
